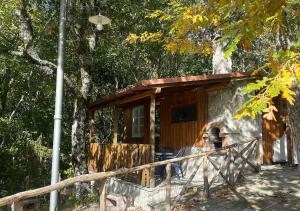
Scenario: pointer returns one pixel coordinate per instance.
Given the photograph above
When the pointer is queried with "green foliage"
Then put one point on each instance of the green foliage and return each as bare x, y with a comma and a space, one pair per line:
70, 171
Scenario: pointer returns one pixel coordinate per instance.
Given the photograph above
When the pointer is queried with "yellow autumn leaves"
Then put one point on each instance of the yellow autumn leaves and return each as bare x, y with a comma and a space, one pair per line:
283, 79
188, 28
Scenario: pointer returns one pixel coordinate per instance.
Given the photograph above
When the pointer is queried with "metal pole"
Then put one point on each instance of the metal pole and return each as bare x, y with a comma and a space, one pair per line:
58, 105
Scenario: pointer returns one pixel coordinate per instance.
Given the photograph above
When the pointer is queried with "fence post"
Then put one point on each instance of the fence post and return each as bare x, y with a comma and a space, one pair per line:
17, 206
102, 195
231, 167
205, 177
258, 157
13, 207
168, 187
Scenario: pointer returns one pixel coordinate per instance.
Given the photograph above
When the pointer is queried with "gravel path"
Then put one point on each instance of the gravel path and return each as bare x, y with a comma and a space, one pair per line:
274, 188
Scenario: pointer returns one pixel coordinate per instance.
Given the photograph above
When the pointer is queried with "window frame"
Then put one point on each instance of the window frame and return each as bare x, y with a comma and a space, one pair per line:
181, 108
138, 121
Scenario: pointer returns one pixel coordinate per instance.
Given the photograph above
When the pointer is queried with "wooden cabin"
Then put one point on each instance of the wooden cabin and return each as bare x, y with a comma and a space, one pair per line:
175, 113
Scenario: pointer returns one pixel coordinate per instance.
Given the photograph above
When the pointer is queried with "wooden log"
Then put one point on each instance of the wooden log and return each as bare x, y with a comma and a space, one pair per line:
168, 187
152, 139
97, 176
102, 195
258, 155
231, 167
116, 114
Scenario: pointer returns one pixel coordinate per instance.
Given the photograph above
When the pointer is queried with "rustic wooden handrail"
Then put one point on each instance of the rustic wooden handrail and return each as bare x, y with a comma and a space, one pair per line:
103, 176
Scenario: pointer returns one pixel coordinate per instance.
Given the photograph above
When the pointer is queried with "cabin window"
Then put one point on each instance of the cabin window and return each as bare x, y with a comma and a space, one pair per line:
138, 122
184, 113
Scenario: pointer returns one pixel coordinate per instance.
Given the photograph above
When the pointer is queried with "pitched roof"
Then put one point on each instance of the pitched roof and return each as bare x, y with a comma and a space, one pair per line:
170, 82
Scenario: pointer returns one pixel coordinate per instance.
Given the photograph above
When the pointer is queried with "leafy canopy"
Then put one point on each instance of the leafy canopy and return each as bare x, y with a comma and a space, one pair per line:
192, 27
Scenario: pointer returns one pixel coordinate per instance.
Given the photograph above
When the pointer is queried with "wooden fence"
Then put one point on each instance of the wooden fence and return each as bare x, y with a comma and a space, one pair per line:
232, 171
108, 157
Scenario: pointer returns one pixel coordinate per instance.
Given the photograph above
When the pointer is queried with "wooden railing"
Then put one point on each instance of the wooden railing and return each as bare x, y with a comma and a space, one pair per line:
108, 157
229, 171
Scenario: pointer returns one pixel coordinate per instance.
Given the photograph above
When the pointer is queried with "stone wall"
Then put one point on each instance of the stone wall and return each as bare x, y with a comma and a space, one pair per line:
222, 107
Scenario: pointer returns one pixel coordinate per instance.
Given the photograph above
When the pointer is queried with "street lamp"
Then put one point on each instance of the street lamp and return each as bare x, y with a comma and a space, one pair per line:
99, 21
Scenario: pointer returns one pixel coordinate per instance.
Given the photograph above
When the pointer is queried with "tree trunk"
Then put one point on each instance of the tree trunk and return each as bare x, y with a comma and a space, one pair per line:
79, 137
86, 46
78, 142
283, 43
294, 124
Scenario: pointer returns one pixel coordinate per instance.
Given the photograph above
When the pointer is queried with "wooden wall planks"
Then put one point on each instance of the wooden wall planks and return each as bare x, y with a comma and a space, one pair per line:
182, 134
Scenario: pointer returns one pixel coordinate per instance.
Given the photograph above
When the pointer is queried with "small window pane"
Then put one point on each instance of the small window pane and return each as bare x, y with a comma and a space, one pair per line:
138, 122
184, 113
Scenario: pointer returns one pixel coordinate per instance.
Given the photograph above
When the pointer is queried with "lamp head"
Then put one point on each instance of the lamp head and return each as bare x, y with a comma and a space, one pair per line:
99, 21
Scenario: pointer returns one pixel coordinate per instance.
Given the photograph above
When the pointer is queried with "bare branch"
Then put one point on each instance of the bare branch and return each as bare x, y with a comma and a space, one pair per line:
17, 106
30, 53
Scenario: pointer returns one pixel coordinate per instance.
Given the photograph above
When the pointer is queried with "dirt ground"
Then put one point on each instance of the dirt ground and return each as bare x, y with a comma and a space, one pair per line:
274, 188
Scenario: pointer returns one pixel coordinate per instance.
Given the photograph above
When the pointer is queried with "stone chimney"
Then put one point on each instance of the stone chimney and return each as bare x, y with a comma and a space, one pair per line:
221, 64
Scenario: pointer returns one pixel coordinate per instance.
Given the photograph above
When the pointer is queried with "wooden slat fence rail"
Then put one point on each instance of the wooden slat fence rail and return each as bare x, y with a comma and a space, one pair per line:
108, 157
230, 177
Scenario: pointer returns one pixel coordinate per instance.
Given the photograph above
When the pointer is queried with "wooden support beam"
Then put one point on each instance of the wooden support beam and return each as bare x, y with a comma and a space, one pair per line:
168, 187
102, 195
116, 114
205, 177
152, 138
105, 103
142, 95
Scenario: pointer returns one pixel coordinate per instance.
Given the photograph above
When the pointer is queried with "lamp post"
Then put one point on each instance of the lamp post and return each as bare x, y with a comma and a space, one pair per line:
58, 105
99, 21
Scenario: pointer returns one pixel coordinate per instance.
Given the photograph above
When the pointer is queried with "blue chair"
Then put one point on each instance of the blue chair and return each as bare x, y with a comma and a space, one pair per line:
167, 154
177, 165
